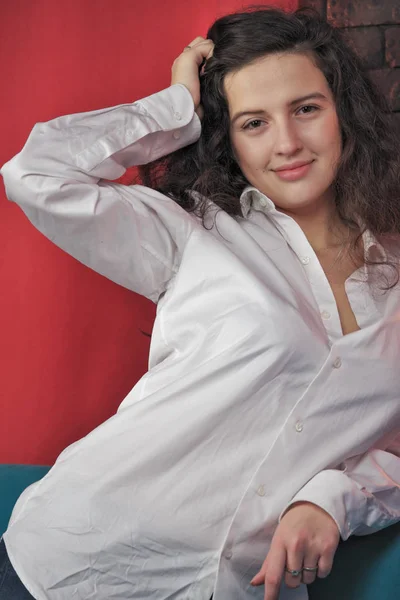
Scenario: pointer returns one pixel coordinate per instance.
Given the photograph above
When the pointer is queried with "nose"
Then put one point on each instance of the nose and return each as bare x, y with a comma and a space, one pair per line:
287, 141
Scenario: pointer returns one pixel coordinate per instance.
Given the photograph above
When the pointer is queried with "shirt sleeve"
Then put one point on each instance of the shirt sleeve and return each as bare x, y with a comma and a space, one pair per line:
132, 235
363, 496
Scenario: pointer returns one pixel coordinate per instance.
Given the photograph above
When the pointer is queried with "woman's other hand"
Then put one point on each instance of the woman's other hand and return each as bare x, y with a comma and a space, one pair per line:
186, 68
306, 536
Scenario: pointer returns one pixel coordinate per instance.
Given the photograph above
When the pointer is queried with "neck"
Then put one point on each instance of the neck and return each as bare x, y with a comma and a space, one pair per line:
321, 226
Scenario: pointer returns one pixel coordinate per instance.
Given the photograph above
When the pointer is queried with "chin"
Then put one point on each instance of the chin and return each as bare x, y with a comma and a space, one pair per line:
296, 200
301, 198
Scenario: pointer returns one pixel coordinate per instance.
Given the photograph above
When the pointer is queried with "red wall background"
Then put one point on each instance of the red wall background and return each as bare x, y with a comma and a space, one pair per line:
70, 344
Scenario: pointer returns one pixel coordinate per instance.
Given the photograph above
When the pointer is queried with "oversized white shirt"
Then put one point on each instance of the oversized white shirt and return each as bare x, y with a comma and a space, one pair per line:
253, 399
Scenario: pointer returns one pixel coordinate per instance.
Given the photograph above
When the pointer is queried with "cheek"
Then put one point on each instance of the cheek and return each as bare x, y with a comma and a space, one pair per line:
332, 144
250, 155
325, 137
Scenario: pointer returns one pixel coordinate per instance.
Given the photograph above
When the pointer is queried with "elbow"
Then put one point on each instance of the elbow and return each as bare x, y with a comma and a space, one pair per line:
20, 180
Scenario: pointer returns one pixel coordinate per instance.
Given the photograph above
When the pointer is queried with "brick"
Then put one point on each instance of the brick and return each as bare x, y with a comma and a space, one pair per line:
392, 44
352, 13
368, 43
318, 5
388, 80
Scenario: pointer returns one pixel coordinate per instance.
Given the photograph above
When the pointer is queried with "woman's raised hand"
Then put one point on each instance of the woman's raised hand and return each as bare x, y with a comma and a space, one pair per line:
186, 68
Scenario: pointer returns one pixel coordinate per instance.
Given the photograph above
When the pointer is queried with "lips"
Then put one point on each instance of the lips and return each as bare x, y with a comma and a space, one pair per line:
295, 165
294, 171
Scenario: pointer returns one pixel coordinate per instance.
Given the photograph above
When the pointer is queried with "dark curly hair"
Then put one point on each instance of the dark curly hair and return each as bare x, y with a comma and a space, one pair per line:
367, 182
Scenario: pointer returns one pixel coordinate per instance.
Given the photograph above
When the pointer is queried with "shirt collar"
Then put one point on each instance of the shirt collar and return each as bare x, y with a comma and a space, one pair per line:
251, 197
372, 248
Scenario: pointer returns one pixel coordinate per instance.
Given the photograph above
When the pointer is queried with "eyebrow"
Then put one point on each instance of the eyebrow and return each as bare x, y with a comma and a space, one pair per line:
313, 96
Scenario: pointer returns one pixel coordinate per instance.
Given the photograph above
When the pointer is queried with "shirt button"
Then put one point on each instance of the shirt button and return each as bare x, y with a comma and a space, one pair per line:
305, 260
176, 135
261, 490
263, 202
325, 315
178, 116
299, 426
228, 554
337, 363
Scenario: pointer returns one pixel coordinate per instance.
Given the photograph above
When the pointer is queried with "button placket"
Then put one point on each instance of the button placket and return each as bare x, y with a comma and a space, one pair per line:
261, 490
328, 310
299, 426
319, 284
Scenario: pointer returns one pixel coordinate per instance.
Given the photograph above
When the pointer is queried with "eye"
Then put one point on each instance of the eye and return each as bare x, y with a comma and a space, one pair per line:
307, 110
254, 124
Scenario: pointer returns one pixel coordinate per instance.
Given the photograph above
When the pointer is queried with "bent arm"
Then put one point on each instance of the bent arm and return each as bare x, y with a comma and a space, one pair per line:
362, 498
130, 234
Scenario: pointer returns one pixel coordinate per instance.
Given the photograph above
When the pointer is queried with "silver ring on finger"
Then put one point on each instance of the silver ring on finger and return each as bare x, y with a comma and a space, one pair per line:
311, 569
187, 47
293, 572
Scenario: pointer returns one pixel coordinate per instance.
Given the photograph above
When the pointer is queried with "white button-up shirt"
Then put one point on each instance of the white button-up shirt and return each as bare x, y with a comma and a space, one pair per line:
253, 398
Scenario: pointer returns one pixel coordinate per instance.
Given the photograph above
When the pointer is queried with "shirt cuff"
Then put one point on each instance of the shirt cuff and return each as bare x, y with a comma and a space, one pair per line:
338, 495
172, 107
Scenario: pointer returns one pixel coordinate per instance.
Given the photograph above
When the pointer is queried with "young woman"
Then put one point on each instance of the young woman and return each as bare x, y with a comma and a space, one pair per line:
265, 428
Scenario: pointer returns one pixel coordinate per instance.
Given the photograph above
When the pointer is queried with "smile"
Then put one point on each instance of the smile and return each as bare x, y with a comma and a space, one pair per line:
294, 173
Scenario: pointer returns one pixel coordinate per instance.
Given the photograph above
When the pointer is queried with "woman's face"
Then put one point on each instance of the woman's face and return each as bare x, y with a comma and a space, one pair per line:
284, 130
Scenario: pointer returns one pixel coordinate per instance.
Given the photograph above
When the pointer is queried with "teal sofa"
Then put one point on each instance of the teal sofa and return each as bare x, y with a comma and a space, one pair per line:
365, 568
13, 480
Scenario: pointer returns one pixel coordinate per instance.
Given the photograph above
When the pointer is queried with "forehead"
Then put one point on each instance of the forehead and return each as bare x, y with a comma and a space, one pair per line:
274, 80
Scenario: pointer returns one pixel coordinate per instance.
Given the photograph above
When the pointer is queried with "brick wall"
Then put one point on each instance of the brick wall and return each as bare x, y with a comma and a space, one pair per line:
372, 27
